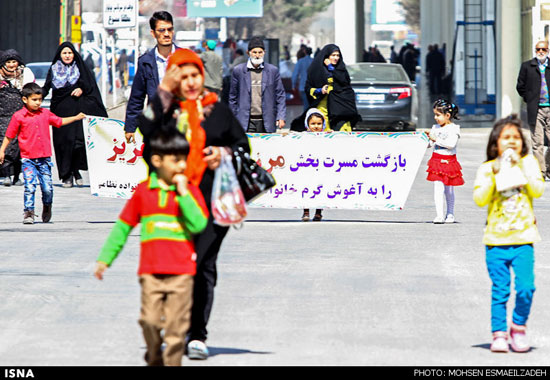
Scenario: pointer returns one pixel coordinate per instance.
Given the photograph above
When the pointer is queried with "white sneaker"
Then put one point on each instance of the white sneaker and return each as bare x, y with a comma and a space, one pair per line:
438, 220
518, 339
450, 218
500, 342
197, 350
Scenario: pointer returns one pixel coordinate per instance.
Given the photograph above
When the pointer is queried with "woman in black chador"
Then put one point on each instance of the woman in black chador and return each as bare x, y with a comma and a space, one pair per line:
13, 76
74, 90
328, 88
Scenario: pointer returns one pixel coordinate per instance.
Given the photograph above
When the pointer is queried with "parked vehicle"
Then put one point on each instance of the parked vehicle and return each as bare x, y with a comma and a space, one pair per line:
40, 70
385, 97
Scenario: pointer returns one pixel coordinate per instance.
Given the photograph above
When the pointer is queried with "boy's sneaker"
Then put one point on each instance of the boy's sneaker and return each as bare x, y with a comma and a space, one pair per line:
28, 217
500, 342
46, 213
197, 350
518, 338
450, 218
7, 181
439, 220
18, 183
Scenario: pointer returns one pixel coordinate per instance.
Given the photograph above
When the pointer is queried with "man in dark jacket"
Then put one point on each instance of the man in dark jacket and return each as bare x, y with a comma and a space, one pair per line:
532, 86
257, 96
150, 70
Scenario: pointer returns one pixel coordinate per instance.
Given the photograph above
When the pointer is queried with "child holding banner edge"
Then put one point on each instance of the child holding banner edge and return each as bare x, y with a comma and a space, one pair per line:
443, 167
170, 212
507, 182
314, 122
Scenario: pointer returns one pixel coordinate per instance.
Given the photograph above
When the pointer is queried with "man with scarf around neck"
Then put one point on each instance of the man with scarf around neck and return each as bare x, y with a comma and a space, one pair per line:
150, 70
328, 88
13, 76
182, 102
74, 90
532, 86
257, 95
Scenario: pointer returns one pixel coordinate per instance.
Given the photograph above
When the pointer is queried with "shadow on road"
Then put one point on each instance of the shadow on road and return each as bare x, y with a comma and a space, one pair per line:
214, 351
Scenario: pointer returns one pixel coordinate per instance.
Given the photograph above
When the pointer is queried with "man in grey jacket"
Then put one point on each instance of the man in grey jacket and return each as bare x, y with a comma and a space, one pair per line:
257, 96
212, 67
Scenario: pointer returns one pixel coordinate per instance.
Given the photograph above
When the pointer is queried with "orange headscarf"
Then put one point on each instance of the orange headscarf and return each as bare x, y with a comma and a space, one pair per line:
189, 121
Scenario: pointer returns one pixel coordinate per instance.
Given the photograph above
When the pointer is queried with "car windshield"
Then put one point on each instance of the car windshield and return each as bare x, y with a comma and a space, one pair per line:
39, 71
369, 73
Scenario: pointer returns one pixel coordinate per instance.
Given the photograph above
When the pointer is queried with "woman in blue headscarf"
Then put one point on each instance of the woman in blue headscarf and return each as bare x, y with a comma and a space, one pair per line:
74, 90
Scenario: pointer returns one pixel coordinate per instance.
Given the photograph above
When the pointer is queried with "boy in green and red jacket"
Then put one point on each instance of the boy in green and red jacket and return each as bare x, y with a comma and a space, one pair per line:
170, 211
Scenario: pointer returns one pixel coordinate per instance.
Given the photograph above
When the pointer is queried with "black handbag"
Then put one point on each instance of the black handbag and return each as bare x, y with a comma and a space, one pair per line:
253, 179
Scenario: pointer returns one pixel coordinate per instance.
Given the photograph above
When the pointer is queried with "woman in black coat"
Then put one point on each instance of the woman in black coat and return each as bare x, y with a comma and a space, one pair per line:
182, 102
328, 88
74, 90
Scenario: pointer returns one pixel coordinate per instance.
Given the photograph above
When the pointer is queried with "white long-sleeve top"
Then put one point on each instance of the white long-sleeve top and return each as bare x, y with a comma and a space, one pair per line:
446, 138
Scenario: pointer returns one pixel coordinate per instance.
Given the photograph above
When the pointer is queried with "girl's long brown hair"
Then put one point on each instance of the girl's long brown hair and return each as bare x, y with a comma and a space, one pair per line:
492, 144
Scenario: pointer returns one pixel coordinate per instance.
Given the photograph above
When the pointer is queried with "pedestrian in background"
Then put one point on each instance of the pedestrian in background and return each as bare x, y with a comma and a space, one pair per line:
443, 167
150, 70
257, 96
122, 67
299, 75
167, 256
74, 89
13, 76
510, 229
31, 125
213, 67
435, 67
532, 86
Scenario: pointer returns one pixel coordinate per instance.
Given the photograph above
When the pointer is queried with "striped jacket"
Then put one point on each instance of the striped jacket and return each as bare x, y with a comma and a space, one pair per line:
168, 223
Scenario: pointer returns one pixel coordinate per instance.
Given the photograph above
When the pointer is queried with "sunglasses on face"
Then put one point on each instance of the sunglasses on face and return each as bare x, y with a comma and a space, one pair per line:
541, 49
163, 30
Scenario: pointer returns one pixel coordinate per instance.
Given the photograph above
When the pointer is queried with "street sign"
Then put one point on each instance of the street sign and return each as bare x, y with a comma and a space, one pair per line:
119, 14
225, 8
76, 32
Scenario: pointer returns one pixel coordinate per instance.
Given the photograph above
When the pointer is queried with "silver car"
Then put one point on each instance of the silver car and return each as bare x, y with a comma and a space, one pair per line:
385, 97
40, 70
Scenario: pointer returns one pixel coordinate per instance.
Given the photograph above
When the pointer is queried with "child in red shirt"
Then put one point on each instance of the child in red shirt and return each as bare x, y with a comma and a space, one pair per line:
31, 124
170, 211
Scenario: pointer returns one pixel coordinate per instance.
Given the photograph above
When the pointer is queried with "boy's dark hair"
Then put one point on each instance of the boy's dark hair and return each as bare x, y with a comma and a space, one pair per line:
160, 16
492, 144
169, 141
445, 106
31, 89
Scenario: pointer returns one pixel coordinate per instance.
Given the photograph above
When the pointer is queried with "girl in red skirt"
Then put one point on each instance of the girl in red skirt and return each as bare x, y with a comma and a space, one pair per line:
443, 167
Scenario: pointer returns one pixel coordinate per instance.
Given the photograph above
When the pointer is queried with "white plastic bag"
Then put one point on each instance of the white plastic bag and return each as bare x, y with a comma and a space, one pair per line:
228, 203
509, 176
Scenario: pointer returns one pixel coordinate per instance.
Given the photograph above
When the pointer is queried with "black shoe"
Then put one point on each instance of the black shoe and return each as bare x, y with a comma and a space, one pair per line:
317, 217
46, 213
68, 183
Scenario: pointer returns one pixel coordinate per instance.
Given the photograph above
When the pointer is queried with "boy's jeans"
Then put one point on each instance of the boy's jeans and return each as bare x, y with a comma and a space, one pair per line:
37, 170
499, 259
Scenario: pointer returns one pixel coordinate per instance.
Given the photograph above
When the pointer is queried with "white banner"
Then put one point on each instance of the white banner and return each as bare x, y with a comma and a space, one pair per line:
339, 170
115, 166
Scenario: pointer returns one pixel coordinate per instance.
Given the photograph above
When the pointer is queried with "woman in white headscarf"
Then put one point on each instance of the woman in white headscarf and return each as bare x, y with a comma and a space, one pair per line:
74, 90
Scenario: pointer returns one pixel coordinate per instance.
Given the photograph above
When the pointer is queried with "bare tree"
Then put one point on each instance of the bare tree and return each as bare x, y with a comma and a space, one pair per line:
412, 14
281, 19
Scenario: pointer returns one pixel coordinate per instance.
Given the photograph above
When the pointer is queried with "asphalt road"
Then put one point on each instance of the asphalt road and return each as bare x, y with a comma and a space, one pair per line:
367, 288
